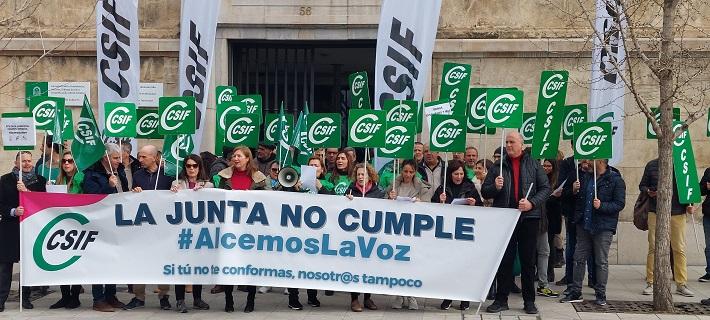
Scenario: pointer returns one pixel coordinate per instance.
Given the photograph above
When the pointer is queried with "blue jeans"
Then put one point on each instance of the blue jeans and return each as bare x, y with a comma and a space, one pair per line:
591, 244
103, 291
569, 254
706, 229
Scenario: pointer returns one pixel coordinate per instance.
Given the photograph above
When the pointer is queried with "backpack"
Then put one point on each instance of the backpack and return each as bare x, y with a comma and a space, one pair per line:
641, 211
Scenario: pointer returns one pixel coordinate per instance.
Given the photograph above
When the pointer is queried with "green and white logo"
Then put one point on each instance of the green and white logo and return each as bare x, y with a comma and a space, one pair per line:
686, 173
399, 140
242, 130
120, 119
574, 114
448, 133
476, 115
504, 108
251, 104
64, 243
650, 133
592, 140
455, 79
400, 110
35, 89
323, 130
180, 146
271, 125
225, 94
550, 109
85, 134
359, 92
527, 130
147, 124
177, 115
555, 82
367, 128
43, 110
68, 126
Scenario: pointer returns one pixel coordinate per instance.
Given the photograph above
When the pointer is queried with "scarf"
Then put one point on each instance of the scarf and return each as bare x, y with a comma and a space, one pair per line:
28, 178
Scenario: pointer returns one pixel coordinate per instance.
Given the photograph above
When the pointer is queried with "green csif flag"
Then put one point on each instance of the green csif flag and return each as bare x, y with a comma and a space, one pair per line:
68, 127
592, 140
283, 152
300, 138
455, 79
527, 130
550, 108
87, 146
175, 149
359, 91
650, 133
574, 114
58, 123
504, 108
476, 115
686, 173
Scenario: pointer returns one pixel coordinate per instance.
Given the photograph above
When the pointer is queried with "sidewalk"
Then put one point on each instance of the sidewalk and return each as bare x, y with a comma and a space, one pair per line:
625, 283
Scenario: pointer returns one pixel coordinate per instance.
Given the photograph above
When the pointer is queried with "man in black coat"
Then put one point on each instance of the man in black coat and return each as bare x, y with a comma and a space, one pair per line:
21, 179
508, 190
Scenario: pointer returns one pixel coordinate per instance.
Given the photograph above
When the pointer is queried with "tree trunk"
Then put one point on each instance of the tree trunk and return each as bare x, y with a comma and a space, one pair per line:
662, 297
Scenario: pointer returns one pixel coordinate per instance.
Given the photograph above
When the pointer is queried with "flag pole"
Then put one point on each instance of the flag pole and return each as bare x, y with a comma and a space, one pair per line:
446, 166
160, 162
485, 149
365, 164
576, 167
51, 158
44, 145
595, 178
502, 146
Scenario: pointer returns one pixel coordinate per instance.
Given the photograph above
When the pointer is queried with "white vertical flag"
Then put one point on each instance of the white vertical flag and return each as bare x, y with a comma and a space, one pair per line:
198, 28
117, 54
606, 101
405, 42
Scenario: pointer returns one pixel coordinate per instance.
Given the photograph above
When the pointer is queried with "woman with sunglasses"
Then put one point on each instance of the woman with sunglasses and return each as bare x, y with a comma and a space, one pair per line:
73, 178
191, 177
340, 176
242, 174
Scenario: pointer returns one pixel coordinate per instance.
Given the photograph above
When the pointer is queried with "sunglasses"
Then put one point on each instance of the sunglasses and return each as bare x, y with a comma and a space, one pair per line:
192, 166
274, 169
67, 160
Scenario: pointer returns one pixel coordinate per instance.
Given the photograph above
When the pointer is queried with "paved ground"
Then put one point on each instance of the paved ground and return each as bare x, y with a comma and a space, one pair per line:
625, 283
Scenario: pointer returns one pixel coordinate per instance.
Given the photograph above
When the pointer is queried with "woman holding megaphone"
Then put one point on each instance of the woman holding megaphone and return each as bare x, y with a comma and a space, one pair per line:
242, 174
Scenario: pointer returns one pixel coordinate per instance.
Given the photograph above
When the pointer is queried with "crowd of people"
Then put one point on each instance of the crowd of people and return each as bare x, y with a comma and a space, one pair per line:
552, 195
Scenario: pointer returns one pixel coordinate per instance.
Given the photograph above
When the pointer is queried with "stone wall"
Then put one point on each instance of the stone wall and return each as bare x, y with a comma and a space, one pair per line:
507, 42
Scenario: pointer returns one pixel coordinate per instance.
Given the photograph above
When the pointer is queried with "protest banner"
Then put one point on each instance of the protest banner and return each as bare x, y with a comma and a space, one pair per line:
550, 108
573, 114
268, 238
18, 131
455, 79
686, 173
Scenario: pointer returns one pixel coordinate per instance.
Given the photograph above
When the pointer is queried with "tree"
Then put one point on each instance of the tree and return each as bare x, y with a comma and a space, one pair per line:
654, 33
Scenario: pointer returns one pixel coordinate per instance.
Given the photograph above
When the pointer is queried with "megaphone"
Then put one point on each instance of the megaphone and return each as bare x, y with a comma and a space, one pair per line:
288, 177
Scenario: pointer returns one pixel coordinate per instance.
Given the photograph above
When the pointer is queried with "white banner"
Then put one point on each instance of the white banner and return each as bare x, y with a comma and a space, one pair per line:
267, 238
198, 28
405, 42
606, 101
117, 54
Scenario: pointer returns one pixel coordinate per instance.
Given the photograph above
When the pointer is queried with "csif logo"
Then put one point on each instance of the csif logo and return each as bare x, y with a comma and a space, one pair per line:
447, 129
271, 129
367, 125
44, 112
62, 241
147, 124
250, 104
396, 137
182, 143
680, 141
118, 116
590, 140
321, 130
506, 108
84, 133
174, 115
477, 111
400, 113
243, 127
575, 116
552, 86
454, 76
528, 128
223, 118
225, 95
358, 85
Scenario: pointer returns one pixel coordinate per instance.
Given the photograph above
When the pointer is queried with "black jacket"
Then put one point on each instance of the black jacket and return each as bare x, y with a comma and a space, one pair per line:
704, 191
146, 180
374, 192
530, 172
568, 175
611, 191
10, 226
96, 180
465, 190
649, 180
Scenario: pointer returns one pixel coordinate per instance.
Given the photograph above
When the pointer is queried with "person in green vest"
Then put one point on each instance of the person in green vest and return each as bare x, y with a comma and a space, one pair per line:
340, 176
470, 158
73, 178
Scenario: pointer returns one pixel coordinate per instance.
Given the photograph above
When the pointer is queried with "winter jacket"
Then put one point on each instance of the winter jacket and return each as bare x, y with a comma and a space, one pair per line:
146, 180
611, 191
9, 225
374, 192
568, 175
649, 180
184, 185
96, 180
259, 181
421, 190
265, 166
530, 172
423, 171
465, 190
704, 191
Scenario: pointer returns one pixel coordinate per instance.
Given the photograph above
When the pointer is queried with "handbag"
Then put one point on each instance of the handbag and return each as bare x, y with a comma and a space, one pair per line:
641, 208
